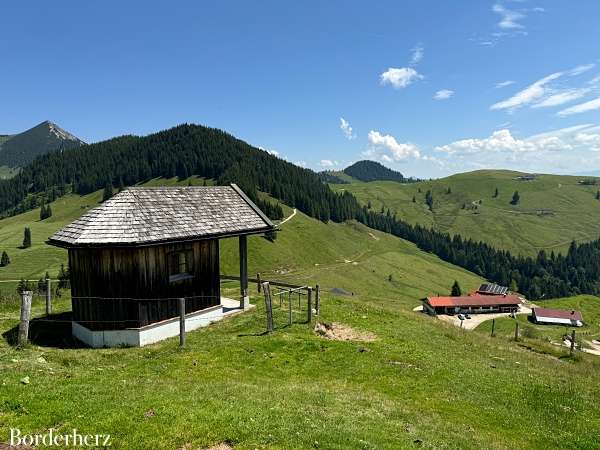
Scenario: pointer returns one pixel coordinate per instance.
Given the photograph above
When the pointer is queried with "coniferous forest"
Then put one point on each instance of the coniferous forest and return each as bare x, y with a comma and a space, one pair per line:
196, 150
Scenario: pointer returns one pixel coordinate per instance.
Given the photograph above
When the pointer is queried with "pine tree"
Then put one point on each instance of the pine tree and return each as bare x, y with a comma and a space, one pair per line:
42, 211
513, 286
449, 191
516, 198
456, 291
429, 200
414, 200
26, 238
108, 191
598, 195
48, 211
5, 260
496, 193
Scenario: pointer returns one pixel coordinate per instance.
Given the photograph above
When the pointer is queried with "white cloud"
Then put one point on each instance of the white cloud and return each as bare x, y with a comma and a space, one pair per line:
561, 98
387, 143
581, 69
301, 163
327, 163
578, 137
346, 129
509, 19
592, 105
527, 95
444, 94
400, 78
417, 54
504, 84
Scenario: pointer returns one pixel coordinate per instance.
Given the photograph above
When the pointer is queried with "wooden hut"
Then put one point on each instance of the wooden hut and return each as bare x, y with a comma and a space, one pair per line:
135, 255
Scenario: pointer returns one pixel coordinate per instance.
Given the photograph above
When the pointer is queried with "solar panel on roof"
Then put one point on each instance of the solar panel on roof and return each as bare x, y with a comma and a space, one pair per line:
493, 289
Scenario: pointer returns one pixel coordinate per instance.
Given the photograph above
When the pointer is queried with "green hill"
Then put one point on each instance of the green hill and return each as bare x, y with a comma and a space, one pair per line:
419, 383
553, 209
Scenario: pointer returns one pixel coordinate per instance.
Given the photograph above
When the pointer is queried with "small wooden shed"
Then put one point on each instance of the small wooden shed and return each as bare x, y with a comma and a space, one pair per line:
132, 257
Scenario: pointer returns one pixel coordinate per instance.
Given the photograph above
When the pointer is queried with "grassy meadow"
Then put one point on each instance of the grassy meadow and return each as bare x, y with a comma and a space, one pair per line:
420, 384
571, 211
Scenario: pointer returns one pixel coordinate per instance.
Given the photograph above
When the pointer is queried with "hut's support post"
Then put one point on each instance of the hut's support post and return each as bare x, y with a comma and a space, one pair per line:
516, 331
493, 327
244, 298
48, 297
258, 284
317, 299
23, 336
572, 342
290, 308
309, 300
181, 322
268, 306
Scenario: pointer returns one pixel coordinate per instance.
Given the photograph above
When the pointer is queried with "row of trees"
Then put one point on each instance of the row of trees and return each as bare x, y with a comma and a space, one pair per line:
211, 153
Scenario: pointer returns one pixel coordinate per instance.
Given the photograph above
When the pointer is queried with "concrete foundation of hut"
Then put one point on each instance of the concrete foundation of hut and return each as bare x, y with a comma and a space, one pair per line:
156, 332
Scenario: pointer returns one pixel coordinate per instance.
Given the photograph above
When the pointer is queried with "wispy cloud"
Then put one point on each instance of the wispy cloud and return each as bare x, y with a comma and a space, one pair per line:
592, 105
399, 77
509, 19
443, 94
581, 69
504, 84
346, 129
387, 148
561, 98
417, 54
527, 95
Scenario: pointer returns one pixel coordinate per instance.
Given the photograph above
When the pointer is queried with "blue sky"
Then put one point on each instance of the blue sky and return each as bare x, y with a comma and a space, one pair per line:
427, 87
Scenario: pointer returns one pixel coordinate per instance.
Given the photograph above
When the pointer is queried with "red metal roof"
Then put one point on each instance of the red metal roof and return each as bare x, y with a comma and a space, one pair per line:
558, 313
474, 300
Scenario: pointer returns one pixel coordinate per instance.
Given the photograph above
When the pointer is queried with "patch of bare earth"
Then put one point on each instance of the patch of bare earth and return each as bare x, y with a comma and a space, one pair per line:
341, 332
221, 446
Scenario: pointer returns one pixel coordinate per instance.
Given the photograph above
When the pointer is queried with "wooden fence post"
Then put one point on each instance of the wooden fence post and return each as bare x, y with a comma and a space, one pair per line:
289, 307
317, 299
258, 282
309, 301
268, 306
493, 327
26, 297
516, 330
572, 342
48, 297
181, 322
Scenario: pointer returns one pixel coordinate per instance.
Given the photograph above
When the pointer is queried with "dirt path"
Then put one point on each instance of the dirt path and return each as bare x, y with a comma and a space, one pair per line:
289, 217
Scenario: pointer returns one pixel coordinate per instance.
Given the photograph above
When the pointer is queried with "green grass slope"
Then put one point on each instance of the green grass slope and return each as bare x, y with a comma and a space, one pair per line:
420, 383
571, 209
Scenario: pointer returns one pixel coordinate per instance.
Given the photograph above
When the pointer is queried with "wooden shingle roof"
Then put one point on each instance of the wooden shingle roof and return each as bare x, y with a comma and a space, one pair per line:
149, 215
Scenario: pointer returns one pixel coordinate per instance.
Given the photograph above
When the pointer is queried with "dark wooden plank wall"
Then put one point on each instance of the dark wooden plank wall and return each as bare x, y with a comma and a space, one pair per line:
125, 285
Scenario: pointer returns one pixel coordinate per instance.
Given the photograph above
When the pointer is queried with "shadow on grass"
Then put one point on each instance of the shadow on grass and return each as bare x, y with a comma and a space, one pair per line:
49, 331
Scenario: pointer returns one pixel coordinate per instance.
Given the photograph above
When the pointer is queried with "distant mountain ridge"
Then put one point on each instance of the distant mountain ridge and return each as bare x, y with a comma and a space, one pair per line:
373, 171
20, 149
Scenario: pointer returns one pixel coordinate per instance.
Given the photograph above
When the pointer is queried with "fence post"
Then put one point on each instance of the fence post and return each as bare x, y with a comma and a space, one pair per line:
317, 299
516, 331
25, 316
493, 327
181, 322
268, 305
48, 296
289, 307
258, 282
309, 302
572, 342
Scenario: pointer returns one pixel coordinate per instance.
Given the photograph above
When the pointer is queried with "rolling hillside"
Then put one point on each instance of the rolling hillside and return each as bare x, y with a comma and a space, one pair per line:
350, 253
419, 383
553, 209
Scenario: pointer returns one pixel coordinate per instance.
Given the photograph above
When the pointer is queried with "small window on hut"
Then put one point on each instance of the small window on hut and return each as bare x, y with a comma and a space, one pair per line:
180, 266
